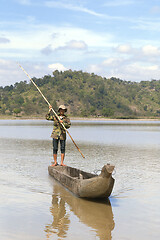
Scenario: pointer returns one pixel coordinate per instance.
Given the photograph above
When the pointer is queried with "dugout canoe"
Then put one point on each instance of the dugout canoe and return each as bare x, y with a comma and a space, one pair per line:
84, 184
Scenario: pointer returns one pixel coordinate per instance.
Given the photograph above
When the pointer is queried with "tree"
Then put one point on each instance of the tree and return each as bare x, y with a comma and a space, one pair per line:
106, 112
17, 110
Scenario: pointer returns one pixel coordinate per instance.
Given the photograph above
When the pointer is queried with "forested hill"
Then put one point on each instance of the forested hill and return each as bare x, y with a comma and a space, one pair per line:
85, 95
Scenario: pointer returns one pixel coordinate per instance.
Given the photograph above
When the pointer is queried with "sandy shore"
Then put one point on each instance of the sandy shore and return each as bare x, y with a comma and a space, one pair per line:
116, 119
2, 117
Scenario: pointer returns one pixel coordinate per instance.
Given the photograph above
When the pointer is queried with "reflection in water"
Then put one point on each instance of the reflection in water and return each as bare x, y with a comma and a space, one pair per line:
61, 220
97, 215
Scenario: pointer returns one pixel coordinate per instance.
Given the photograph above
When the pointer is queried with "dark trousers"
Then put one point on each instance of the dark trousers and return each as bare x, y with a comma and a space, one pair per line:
55, 145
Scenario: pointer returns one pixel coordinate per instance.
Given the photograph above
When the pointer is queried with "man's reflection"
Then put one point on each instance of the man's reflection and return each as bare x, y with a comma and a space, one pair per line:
61, 221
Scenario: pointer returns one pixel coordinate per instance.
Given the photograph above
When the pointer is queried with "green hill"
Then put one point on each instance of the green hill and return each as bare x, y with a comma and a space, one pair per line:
85, 95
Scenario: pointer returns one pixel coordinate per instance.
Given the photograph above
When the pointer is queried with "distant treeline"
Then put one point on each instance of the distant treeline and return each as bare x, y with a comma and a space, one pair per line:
85, 95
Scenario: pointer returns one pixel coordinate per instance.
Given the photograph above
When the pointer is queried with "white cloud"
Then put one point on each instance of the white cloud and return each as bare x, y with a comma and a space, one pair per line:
103, 53
69, 6
140, 71
25, 39
110, 67
79, 45
31, 19
146, 24
47, 50
94, 68
24, 2
150, 50
33, 38
4, 40
73, 45
126, 69
10, 72
153, 68
112, 62
80, 8
117, 3
155, 10
3, 62
126, 48
138, 67
57, 66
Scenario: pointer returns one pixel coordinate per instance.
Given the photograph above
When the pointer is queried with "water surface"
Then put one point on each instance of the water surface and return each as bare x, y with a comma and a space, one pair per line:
34, 206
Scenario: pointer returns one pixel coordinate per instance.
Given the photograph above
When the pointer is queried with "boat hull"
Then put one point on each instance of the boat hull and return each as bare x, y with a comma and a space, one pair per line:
83, 184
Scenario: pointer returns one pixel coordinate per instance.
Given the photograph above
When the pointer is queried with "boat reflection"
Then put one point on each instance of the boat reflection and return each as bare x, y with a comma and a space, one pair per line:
97, 215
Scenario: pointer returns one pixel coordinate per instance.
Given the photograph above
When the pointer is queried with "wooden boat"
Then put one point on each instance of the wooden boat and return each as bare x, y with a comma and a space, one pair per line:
84, 184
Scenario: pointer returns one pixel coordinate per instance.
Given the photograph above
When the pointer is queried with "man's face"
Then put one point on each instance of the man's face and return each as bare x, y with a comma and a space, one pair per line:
61, 111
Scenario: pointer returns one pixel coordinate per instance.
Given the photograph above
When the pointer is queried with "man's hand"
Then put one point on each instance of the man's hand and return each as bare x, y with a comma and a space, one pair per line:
50, 108
60, 121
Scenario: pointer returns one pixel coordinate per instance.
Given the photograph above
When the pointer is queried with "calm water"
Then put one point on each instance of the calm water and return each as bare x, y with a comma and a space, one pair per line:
33, 206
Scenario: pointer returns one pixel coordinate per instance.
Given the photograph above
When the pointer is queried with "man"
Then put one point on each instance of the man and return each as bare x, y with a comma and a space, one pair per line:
58, 133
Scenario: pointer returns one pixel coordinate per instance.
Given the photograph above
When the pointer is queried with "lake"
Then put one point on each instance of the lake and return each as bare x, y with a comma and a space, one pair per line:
33, 206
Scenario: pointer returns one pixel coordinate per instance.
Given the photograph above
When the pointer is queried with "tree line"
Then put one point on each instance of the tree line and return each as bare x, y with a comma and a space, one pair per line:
84, 94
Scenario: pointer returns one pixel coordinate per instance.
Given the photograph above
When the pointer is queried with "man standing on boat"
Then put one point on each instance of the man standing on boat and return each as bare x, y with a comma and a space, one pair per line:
58, 133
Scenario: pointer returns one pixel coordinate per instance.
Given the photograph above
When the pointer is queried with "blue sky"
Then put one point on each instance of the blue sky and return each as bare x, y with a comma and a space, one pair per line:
111, 38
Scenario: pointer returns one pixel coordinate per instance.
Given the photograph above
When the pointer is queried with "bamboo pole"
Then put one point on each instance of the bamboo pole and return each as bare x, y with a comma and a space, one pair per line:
51, 109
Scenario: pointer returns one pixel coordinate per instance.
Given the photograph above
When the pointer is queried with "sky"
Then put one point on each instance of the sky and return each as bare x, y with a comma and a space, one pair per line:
110, 38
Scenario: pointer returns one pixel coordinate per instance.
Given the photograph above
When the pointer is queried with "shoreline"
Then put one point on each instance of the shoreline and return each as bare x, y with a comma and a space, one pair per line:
82, 118
116, 119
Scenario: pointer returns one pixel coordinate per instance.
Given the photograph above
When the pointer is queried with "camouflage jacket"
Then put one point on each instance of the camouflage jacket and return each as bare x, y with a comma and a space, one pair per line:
58, 131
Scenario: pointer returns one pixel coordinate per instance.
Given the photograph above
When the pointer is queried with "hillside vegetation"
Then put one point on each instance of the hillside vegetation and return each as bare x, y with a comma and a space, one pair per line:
85, 95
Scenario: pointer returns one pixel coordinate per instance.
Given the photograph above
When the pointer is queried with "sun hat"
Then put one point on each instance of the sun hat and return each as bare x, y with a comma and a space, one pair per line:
62, 107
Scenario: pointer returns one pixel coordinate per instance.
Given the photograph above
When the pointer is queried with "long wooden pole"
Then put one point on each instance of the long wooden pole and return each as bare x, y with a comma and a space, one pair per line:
51, 109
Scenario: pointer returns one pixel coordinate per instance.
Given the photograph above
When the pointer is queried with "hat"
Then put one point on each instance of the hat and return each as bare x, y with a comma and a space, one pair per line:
62, 107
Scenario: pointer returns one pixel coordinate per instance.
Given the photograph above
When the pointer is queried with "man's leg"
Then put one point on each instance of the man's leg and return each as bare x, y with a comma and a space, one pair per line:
55, 149
62, 159
55, 159
63, 144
